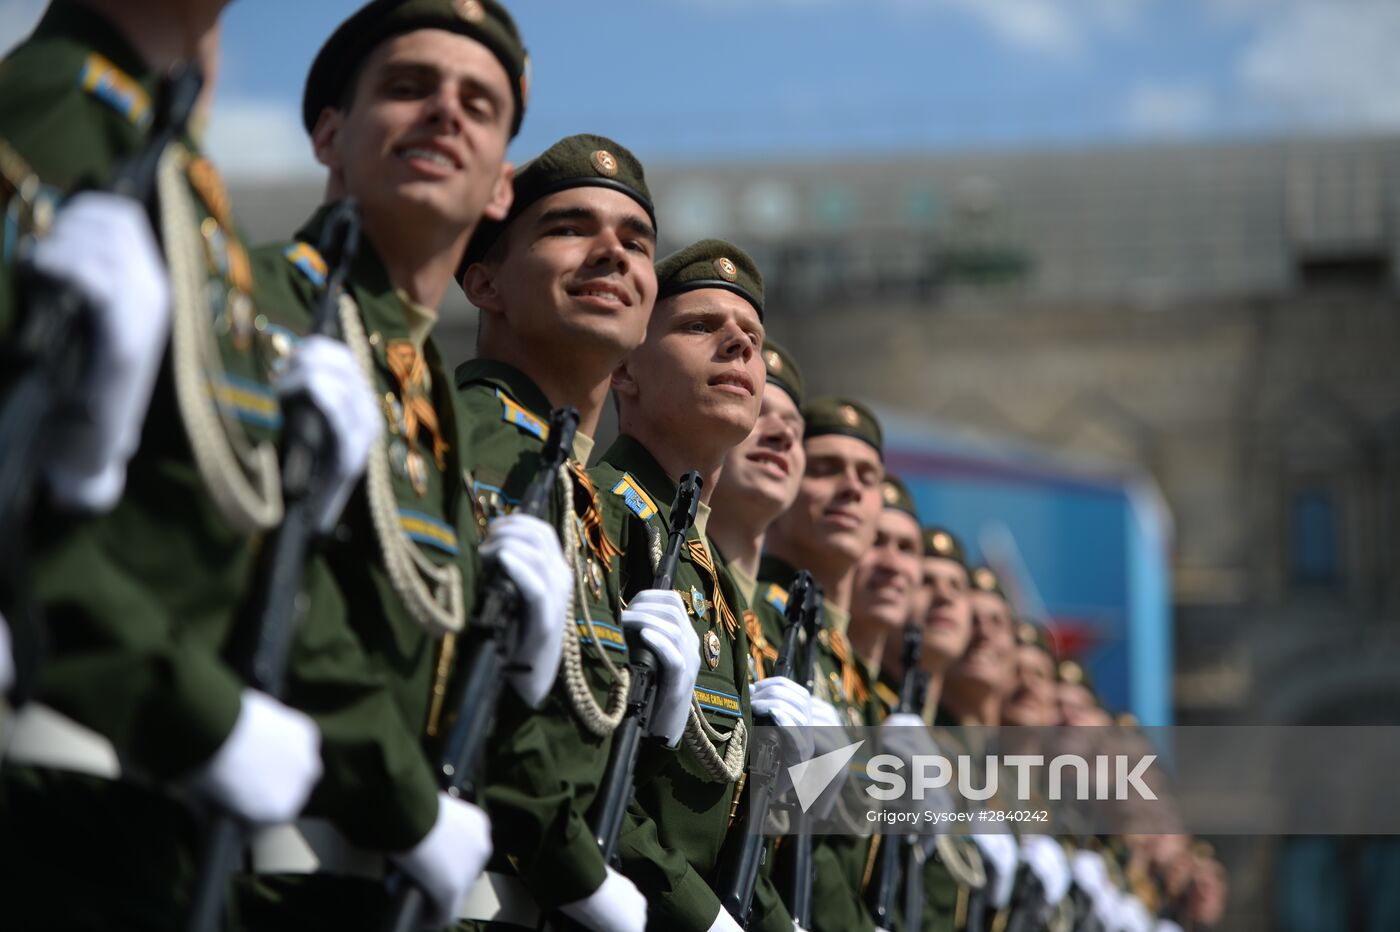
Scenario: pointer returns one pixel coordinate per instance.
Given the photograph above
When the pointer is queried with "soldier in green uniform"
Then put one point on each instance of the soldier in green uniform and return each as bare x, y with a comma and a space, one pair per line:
759, 482
829, 527
139, 595
410, 105
953, 867
685, 397
565, 286
1033, 701
887, 580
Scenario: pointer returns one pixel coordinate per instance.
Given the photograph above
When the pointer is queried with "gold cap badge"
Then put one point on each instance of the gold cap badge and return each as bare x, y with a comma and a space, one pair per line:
605, 162
470, 10
890, 492
773, 361
1071, 672
1026, 633
727, 269
942, 543
850, 416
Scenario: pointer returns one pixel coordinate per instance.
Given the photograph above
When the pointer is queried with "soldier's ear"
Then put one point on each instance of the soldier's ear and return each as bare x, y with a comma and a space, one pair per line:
623, 384
479, 284
502, 194
324, 136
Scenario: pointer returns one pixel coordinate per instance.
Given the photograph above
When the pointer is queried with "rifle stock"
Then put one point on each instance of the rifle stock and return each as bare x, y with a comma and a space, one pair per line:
460, 762
278, 601
615, 792
897, 849
741, 870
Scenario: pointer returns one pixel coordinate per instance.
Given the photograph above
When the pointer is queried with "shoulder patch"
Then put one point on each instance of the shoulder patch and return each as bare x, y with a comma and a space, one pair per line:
776, 596
115, 88
888, 696
308, 261
513, 413
636, 500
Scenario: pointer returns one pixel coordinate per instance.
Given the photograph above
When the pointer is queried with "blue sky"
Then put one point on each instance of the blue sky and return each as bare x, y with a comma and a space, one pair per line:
717, 80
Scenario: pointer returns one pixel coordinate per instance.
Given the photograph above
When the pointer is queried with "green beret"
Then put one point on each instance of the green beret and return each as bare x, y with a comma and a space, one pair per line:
896, 496
782, 370
486, 21
710, 263
840, 416
942, 543
1072, 671
984, 580
574, 162
1030, 634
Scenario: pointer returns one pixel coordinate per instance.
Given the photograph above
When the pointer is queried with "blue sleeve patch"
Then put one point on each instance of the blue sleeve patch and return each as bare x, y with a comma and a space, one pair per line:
426, 529
611, 636
308, 261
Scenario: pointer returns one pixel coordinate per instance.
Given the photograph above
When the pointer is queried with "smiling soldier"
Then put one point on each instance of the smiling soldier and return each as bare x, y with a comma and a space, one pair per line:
686, 396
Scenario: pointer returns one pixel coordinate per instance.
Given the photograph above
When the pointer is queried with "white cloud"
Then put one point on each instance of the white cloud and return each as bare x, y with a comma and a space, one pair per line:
1168, 109
1327, 63
260, 139
17, 20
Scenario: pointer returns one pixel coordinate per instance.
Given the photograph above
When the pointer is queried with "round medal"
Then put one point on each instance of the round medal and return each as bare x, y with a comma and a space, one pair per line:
711, 649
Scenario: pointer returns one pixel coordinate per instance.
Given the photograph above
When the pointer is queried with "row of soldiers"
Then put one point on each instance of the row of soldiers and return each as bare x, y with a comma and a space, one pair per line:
136, 602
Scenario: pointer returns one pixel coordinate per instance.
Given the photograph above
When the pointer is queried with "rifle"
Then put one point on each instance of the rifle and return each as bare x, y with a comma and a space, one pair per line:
462, 752
615, 792
51, 353
278, 602
741, 870
800, 892
882, 905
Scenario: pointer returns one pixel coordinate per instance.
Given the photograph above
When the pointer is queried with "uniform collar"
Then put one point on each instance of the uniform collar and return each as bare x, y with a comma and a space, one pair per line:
380, 305
628, 454
68, 20
773, 569
519, 386
521, 389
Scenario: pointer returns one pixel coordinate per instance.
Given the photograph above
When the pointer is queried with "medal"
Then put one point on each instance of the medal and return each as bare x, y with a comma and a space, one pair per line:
712, 649
697, 603
417, 472
595, 578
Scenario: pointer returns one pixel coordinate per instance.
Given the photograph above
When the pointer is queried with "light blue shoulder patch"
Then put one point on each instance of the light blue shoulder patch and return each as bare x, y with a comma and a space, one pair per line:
115, 88
308, 261
777, 597
514, 413
634, 497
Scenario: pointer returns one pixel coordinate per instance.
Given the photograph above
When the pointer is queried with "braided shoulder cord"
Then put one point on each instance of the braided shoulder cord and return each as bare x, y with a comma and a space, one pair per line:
243, 478
431, 593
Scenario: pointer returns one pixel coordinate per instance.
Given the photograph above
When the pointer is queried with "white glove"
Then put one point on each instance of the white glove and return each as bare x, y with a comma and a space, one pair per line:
449, 858
7, 658
1091, 876
1166, 925
103, 244
789, 705
661, 620
906, 735
616, 906
528, 551
326, 370
1000, 851
828, 733
725, 923
1048, 862
266, 767
1133, 915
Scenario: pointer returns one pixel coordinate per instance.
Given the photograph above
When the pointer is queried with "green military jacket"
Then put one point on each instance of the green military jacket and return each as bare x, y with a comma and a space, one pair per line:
398, 568
139, 602
546, 764
842, 864
678, 822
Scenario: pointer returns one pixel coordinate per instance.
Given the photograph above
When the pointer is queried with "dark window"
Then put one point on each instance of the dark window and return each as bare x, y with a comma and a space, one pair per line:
1314, 537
